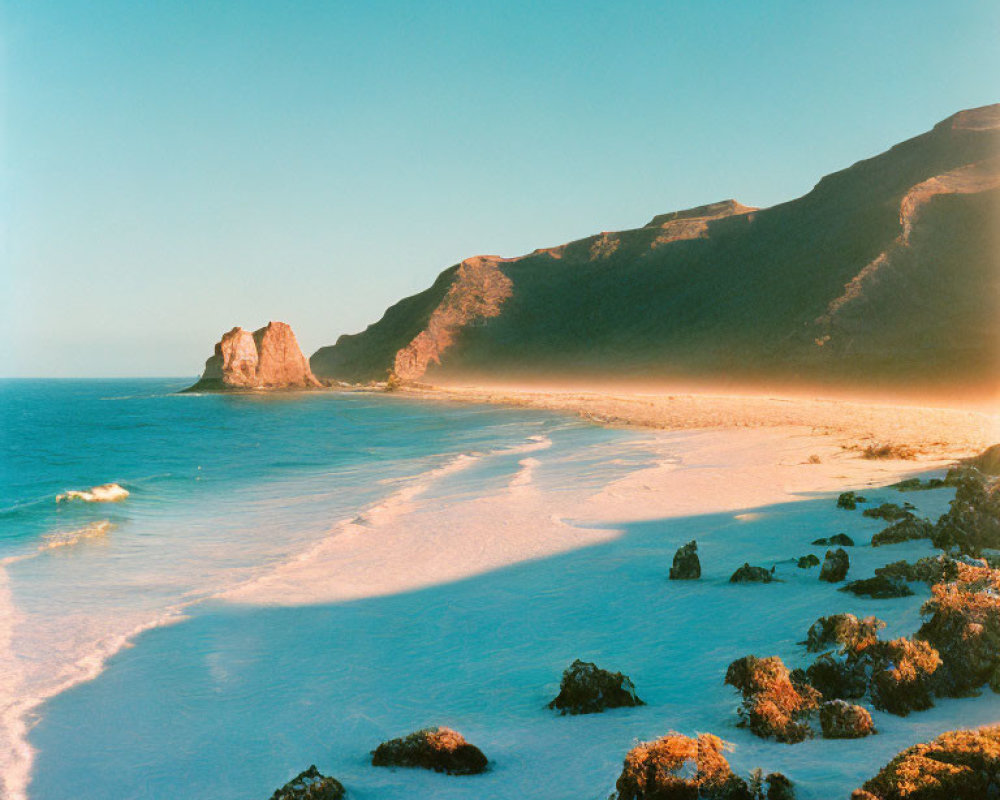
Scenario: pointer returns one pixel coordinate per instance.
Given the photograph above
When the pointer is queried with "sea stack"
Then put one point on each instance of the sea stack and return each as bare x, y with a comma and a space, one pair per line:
268, 358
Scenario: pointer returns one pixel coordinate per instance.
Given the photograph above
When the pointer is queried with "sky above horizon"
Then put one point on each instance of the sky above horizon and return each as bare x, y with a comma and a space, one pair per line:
170, 170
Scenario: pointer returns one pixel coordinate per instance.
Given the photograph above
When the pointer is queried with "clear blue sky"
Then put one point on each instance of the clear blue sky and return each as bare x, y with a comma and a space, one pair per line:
170, 170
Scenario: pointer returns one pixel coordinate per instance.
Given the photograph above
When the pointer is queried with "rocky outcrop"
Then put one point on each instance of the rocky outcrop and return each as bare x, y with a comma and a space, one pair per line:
439, 749
881, 587
686, 566
310, 785
835, 566
748, 574
587, 689
677, 767
479, 289
889, 512
840, 720
972, 522
907, 529
774, 705
268, 358
929, 570
807, 561
957, 764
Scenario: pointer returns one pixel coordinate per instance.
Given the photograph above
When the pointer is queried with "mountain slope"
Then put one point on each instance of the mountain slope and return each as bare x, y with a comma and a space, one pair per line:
885, 275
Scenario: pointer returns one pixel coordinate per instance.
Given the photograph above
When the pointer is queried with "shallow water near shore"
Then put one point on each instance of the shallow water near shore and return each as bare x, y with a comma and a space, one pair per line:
242, 670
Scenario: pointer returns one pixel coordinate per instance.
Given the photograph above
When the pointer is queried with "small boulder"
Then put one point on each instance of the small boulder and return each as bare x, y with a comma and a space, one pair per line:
849, 500
881, 587
686, 565
439, 749
954, 766
310, 785
840, 720
779, 787
748, 574
806, 562
905, 530
835, 566
587, 689
837, 540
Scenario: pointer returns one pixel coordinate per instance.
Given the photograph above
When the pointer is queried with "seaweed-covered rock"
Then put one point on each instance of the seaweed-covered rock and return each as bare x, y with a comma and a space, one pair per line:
929, 570
843, 630
806, 562
881, 587
587, 689
773, 704
838, 539
889, 512
972, 522
310, 785
954, 766
835, 566
748, 574
905, 530
964, 627
840, 720
850, 500
902, 675
677, 767
439, 749
686, 565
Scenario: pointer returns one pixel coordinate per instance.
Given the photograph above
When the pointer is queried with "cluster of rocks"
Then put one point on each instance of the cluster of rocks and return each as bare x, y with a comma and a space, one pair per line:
677, 767
890, 512
587, 689
850, 500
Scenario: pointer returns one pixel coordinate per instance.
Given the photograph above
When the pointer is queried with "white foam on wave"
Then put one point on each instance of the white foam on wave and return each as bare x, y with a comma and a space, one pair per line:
524, 476
93, 531
105, 493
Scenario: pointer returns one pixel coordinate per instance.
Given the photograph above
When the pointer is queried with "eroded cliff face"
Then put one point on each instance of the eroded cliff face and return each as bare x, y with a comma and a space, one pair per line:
268, 358
476, 294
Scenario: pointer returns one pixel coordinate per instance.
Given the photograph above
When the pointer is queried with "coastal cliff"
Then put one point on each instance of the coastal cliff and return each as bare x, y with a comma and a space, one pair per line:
885, 276
268, 358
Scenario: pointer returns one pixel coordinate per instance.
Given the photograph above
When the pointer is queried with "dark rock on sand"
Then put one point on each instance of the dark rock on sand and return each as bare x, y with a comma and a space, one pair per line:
838, 540
889, 512
748, 574
686, 565
310, 785
835, 566
954, 766
773, 704
881, 587
905, 530
439, 749
677, 767
840, 720
850, 500
805, 562
587, 689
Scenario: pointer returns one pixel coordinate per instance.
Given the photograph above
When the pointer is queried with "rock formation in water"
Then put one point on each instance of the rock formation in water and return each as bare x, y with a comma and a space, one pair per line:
268, 358
439, 749
310, 785
587, 689
686, 566
885, 275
